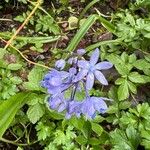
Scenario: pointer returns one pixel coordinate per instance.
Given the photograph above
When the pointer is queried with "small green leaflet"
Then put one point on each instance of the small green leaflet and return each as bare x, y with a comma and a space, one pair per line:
34, 79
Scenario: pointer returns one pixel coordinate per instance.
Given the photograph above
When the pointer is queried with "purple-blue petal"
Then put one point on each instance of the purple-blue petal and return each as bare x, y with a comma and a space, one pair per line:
60, 64
81, 51
72, 71
72, 60
81, 74
83, 64
100, 77
62, 106
54, 102
99, 104
103, 65
87, 109
89, 81
94, 57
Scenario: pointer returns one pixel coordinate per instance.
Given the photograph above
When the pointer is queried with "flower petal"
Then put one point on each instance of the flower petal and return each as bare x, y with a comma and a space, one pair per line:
80, 75
99, 104
60, 64
62, 107
54, 102
83, 64
81, 51
103, 65
100, 77
87, 108
94, 57
89, 81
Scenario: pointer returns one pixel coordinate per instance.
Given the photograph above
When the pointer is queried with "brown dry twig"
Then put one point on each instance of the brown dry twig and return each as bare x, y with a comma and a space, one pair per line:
23, 24
29, 61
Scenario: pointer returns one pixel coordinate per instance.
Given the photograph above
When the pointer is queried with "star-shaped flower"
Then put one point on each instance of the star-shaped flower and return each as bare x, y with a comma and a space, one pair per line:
92, 70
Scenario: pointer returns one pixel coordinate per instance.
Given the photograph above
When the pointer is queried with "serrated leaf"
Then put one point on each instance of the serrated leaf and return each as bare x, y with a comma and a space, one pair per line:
123, 91
136, 77
44, 131
141, 64
97, 128
16, 80
122, 69
132, 87
125, 140
14, 66
35, 112
35, 77
81, 140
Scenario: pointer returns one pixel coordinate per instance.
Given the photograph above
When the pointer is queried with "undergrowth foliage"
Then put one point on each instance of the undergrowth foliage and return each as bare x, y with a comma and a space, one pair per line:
74, 76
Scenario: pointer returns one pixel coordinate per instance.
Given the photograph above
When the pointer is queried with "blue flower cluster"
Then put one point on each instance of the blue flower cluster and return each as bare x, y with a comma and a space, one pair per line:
81, 72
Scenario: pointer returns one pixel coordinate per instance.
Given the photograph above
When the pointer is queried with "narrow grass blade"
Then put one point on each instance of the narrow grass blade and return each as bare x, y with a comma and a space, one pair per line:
7, 35
81, 32
9, 108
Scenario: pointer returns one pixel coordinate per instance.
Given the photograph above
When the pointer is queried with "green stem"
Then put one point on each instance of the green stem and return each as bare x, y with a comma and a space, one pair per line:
18, 144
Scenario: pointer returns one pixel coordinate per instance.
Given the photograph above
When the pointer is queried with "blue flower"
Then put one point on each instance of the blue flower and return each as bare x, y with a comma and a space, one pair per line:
92, 105
59, 82
73, 109
55, 81
60, 64
55, 101
92, 70
58, 102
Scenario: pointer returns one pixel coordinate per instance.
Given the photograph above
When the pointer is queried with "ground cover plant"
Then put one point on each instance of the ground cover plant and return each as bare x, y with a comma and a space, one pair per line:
74, 75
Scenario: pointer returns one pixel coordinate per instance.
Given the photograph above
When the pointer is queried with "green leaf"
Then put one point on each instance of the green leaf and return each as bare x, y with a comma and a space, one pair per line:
82, 31
35, 77
44, 131
9, 108
77, 123
119, 81
147, 35
2, 52
81, 140
94, 141
19, 18
16, 80
133, 136
122, 69
136, 77
146, 138
123, 91
14, 66
97, 128
119, 64
124, 104
35, 112
86, 129
72, 22
141, 64
128, 140
132, 87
